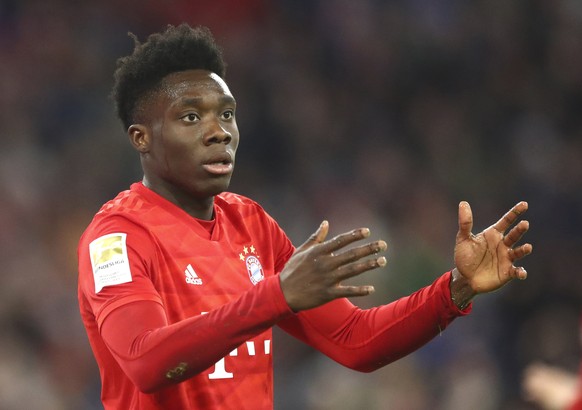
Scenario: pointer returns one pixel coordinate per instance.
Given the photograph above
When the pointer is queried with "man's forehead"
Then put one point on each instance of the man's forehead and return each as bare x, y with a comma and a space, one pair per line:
178, 84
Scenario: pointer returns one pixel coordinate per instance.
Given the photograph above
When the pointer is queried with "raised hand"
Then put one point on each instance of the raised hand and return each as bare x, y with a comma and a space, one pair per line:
314, 273
486, 260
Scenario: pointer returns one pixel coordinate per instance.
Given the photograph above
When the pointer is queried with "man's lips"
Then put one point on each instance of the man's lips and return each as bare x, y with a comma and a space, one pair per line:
219, 164
218, 168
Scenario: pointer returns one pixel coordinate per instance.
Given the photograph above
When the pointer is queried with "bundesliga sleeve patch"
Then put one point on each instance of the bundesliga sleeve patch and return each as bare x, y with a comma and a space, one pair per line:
109, 260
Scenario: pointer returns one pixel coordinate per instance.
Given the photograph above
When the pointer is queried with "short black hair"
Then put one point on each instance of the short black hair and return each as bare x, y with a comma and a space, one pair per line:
178, 48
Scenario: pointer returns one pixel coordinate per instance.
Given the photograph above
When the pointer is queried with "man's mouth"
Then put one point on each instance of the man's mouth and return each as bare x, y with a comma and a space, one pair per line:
220, 164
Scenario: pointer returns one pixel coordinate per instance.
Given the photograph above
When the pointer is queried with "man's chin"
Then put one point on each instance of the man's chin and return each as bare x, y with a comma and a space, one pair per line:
214, 189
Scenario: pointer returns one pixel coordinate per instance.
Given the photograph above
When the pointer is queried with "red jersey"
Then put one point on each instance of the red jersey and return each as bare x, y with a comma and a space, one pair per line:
216, 284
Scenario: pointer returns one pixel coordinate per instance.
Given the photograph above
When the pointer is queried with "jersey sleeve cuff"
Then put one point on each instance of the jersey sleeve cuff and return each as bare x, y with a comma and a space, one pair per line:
445, 284
277, 297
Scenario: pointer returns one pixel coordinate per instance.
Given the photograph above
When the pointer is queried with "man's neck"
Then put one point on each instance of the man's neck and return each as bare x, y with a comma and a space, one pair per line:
200, 208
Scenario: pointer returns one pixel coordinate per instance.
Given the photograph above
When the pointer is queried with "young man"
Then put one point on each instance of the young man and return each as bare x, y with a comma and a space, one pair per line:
180, 282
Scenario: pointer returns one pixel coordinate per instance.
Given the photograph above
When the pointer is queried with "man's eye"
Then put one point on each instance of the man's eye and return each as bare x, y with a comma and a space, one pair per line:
190, 117
228, 115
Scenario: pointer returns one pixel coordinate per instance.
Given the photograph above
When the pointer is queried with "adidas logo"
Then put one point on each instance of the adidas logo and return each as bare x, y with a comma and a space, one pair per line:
191, 276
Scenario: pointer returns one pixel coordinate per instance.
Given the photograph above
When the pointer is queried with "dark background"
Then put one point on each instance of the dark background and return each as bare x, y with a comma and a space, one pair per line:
367, 113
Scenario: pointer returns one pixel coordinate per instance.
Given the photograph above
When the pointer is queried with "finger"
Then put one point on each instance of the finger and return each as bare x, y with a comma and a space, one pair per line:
356, 268
516, 233
510, 217
342, 240
520, 251
465, 221
351, 291
317, 237
358, 253
518, 273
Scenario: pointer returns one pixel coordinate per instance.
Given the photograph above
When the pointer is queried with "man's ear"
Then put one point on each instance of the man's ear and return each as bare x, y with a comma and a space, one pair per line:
140, 138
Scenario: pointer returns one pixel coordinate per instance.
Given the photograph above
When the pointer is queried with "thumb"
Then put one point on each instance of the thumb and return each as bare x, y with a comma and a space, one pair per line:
317, 237
465, 221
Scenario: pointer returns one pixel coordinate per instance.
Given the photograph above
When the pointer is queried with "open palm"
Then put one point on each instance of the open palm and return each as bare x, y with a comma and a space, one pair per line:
486, 260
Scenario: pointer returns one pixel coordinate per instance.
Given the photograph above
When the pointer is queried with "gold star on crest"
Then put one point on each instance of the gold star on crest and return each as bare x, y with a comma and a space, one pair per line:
246, 251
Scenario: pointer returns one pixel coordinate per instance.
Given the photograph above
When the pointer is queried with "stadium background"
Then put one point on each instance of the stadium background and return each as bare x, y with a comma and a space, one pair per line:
369, 112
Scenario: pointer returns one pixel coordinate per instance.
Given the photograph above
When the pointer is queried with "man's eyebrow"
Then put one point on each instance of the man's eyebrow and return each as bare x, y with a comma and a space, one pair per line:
185, 102
227, 99
194, 101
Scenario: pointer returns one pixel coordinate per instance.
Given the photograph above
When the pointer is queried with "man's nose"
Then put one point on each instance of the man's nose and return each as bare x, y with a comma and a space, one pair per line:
217, 134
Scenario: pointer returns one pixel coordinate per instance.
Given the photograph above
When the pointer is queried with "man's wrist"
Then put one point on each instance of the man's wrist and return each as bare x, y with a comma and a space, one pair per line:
461, 291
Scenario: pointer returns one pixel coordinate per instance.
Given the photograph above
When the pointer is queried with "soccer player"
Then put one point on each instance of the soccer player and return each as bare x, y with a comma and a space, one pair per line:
180, 281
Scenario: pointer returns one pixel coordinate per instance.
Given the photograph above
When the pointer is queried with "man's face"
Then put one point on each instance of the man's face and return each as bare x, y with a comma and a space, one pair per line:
193, 135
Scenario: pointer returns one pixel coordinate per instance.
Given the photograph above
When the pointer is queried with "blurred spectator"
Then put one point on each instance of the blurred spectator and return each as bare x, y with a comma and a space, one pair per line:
551, 387
554, 387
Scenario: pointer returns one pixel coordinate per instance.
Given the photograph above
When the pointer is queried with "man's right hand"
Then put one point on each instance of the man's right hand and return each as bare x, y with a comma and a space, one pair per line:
313, 275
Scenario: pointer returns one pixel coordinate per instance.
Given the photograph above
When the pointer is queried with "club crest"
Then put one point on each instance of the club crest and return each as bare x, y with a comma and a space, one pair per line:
253, 264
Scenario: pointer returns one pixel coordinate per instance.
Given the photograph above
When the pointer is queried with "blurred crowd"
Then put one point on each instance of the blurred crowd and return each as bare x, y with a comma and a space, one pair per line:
378, 113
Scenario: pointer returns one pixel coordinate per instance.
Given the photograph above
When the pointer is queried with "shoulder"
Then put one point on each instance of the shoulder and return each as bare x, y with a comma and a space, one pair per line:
240, 203
121, 214
239, 207
128, 207
235, 199
126, 202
